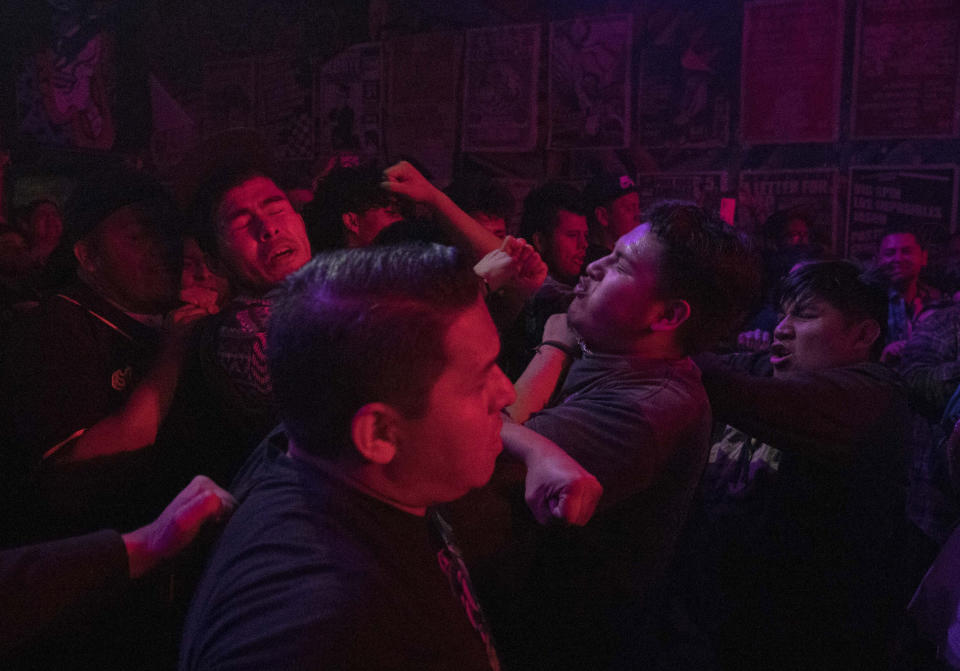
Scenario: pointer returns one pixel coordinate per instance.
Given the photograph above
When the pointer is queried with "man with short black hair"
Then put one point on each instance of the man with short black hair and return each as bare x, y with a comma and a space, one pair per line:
248, 227
901, 257
331, 560
802, 502
554, 222
488, 202
633, 412
349, 209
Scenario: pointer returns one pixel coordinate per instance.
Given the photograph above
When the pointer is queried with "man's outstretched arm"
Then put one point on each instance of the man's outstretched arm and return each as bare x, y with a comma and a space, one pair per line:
557, 487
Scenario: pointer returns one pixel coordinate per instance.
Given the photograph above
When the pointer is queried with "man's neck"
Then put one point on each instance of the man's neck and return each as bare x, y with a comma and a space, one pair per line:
645, 348
354, 478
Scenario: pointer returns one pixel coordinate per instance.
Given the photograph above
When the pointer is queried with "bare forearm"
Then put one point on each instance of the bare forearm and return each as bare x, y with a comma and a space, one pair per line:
135, 425
537, 383
476, 237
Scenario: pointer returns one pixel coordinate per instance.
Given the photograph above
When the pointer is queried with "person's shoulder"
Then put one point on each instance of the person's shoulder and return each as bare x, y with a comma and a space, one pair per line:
870, 369
646, 387
860, 377
284, 571
939, 316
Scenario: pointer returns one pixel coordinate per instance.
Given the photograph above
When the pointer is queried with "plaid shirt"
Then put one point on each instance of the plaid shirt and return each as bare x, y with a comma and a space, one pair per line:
241, 350
930, 364
931, 368
903, 317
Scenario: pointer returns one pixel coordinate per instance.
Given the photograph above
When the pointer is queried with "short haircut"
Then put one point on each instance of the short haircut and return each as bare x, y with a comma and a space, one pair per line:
359, 326
344, 189
208, 198
541, 206
479, 193
896, 226
856, 294
709, 265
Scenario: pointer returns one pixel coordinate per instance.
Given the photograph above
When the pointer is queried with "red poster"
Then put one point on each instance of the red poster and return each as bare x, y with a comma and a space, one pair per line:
905, 77
792, 57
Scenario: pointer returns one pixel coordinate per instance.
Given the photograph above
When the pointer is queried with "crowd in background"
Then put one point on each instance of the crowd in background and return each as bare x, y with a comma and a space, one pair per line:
774, 430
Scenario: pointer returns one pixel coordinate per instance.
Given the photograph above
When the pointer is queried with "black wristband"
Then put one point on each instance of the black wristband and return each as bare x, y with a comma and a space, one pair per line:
563, 347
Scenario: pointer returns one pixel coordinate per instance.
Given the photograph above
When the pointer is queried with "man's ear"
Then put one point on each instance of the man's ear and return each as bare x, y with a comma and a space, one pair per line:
375, 430
84, 256
675, 312
600, 213
537, 241
866, 334
351, 222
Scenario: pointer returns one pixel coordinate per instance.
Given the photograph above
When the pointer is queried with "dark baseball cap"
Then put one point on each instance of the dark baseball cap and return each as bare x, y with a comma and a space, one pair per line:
607, 187
101, 194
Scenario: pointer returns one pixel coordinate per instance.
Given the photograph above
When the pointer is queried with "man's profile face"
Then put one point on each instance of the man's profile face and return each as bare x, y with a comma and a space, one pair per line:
814, 335
616, 299
261, 238
565, 249
131, 263
623, 214
453, 447
901, 258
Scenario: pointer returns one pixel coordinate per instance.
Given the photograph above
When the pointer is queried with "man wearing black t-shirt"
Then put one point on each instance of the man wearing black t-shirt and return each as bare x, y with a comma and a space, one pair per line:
383, 362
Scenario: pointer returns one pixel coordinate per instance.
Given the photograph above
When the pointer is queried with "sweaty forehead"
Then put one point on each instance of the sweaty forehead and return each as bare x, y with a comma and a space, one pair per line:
249, 194
639, 245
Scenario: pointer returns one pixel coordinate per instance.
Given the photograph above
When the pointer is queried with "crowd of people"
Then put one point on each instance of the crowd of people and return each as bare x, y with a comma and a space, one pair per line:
661, 444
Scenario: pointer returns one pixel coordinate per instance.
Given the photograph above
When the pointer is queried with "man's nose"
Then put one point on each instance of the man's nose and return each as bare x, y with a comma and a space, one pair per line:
506, 393
268, 228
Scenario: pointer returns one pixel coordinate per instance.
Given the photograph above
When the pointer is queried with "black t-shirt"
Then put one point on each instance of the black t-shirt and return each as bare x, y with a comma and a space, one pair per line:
312, 574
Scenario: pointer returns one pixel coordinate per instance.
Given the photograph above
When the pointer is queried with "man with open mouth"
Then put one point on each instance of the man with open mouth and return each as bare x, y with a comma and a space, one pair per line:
802, 501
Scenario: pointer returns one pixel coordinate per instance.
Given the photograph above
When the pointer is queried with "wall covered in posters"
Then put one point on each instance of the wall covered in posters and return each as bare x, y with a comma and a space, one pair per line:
906, 72
814, 192
284, 109
791, 67
678, 93
229, 95
703, 188
501, 70
347, 101
922, 197
66, 88
589, 82
687, 73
